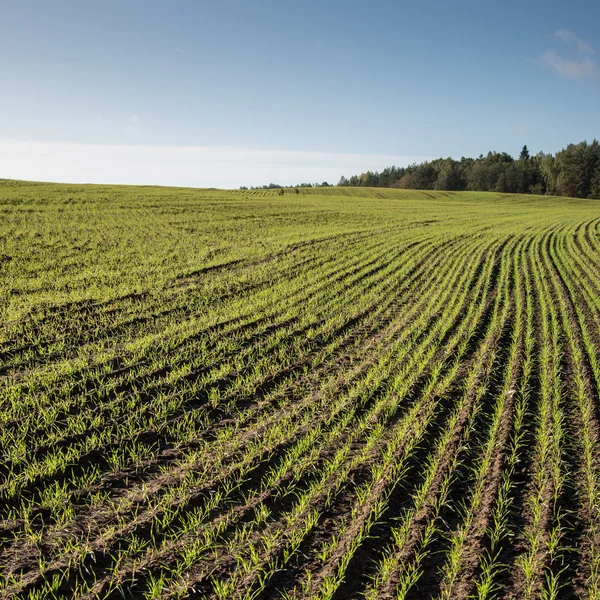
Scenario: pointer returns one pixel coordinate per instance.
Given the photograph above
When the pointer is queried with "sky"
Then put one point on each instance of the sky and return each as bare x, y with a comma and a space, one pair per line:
229, 93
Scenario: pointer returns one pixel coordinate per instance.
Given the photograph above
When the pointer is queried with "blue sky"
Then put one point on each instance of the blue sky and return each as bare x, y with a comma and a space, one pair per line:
233, 92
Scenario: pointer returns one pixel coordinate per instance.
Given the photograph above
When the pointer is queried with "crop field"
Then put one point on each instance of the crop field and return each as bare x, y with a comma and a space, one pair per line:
332, 394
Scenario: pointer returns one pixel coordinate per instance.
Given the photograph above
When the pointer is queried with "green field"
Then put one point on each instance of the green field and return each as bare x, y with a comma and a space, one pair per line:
339, 393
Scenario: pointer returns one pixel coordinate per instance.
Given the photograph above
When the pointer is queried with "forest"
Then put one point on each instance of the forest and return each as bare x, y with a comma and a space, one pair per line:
574, 172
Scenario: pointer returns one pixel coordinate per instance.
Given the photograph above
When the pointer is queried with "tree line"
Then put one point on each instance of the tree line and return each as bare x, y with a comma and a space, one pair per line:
574, 171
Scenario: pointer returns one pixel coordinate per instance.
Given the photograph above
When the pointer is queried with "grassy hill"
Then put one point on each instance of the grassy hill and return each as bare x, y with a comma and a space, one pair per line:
335, 393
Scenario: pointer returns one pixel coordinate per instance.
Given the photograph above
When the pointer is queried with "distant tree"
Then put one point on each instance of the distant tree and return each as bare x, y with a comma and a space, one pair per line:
369, 179
479, 177
406, 181
595, 187
524, 153
343, 182
548, 171
593, 169
512, 179
494, 158
450, 176
324, 184
425, 177
576, 164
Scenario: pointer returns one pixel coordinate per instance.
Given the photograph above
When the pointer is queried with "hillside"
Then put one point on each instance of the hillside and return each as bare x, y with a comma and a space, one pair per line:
331, 393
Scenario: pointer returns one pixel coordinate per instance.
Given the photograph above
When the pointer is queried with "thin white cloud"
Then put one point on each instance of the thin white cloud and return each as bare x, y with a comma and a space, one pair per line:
195, 166
568, 36
133, 124
573, 69
581, 67
179, 50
